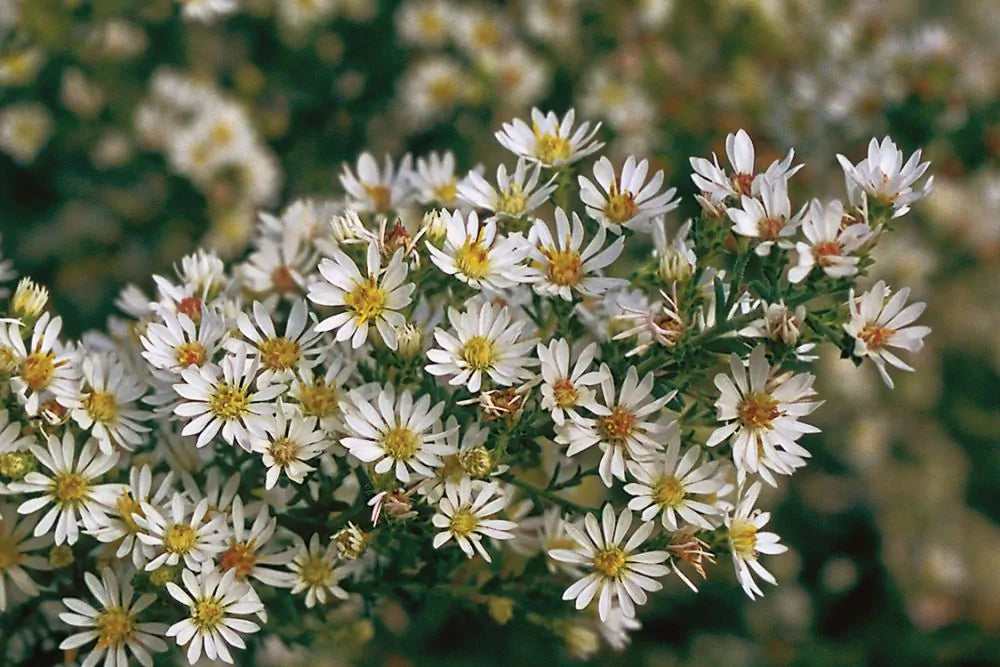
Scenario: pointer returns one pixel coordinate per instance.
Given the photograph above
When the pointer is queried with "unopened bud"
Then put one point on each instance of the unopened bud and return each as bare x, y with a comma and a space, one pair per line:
476, 462
351, 542
161, 576
409, 340
61, 556
29, 299
581, 642
436, 225
15, 465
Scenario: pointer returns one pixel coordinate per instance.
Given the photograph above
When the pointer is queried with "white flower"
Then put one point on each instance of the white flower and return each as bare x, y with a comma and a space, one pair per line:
252, 553
516, 195
115, 627
177, 342
564, 391
435, 180
378, 191
627, 201
883, 179
319, 395
374, 298
747, 542
830, 244
619, 571
225, 401
676, 258
214, 601
314, 571
470, 458
879, 322
475, 253
193, 537
394, 432
44, 368
564, 269
279, 355
622, 429
717, 186
768, 219
11, 439
467, 519
291, 439
107, 405
69, 487
485, 342
121, 521
761, 414
207, 11
549, 141
669, 486
15, 553
782, 325
280, 265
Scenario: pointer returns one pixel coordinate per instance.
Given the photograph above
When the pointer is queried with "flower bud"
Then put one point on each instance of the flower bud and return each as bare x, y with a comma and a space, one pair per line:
15, 465
581, 642
161, 575
351, 542
29, 299
61, 556
476, 462
436, 225
409, 340
501, 609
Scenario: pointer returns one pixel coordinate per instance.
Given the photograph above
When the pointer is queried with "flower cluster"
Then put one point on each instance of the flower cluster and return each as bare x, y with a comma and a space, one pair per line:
421, 375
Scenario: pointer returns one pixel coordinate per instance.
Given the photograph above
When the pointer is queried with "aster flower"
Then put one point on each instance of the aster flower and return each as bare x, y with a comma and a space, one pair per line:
319, 394
16, 556
880, 322
374, 298
717, 186
181, 533
121, 526
618, 570
177, 342
676, 259
516, 195
465, 518
69, 487
44, 368
830, 245
107, 405
279, 355
252, 553
214, 602
470, 458
768, 219
549, 141
783, 326
625, 201
291, 439
565, 390
225, 401
485, 343
314, 571
761, 412
563, 268
395, 432
378, 191
747, 542
622, 429
883, 179
115, 626
435, 180
280, 266
475, 253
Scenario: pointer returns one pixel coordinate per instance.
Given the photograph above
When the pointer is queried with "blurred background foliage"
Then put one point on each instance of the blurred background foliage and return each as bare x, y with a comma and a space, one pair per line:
894, 524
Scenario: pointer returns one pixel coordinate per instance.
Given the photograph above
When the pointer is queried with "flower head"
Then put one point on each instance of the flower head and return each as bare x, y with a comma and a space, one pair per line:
884, 179
475, 253
464, 514
564, 268
549, 141
747, 542
625, 200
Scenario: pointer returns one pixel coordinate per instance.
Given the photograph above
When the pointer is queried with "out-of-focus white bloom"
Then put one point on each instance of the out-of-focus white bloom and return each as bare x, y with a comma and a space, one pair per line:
565, 391
299, 15
884, 179
25, 128
424, 23
207, 11
464, 515
880, 322
549, 141
830, 244
432, 88
768, 219
435, 180
618, 569
564, 269
518, 75
16, 549
378, 191
627, 201
747, 542
516, 195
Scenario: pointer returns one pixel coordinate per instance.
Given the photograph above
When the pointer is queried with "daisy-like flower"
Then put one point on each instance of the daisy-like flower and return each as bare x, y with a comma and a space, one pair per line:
830, 245
177, 342
69, 487
435, 180
121, 525
747, 542
564, 389
115, 626
883, 179
314, 571
378, 191
618, 570
179, 536
768, 219
549, 141
251, 553
371, 299
319, 395
782, 325
42, 368
622, 429
880, 322
107, 405
464, 515
280, 265
717, 186
627, 201
546, 533
670, 486
563, 267
516, 195
16, 556
485, 343
476, 254
225, 401
761, 414
214, 602
279, 355
676, 260
394, 432
291, 439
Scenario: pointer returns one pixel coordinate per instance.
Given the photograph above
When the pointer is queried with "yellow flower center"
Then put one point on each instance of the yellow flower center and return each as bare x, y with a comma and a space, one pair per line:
15, 465
621, 206
240, 557
283, 451
222, 134
9, 554
102, 406
616, 427
190, 354
473, 259
279, 353
564, 266
400, 443
115, 627
476, 462
551, 148
758, 410
70, 489
610, 561
381, 197
743, 537
669, 492
565, 393
229, 401
463, 522
316, 571
61, 556
367, 300
318, 399
128, 509
446, 193
443, 90
208, 614
8, 360
513, 200
478, 352
180, 539
37, 370
875, 336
